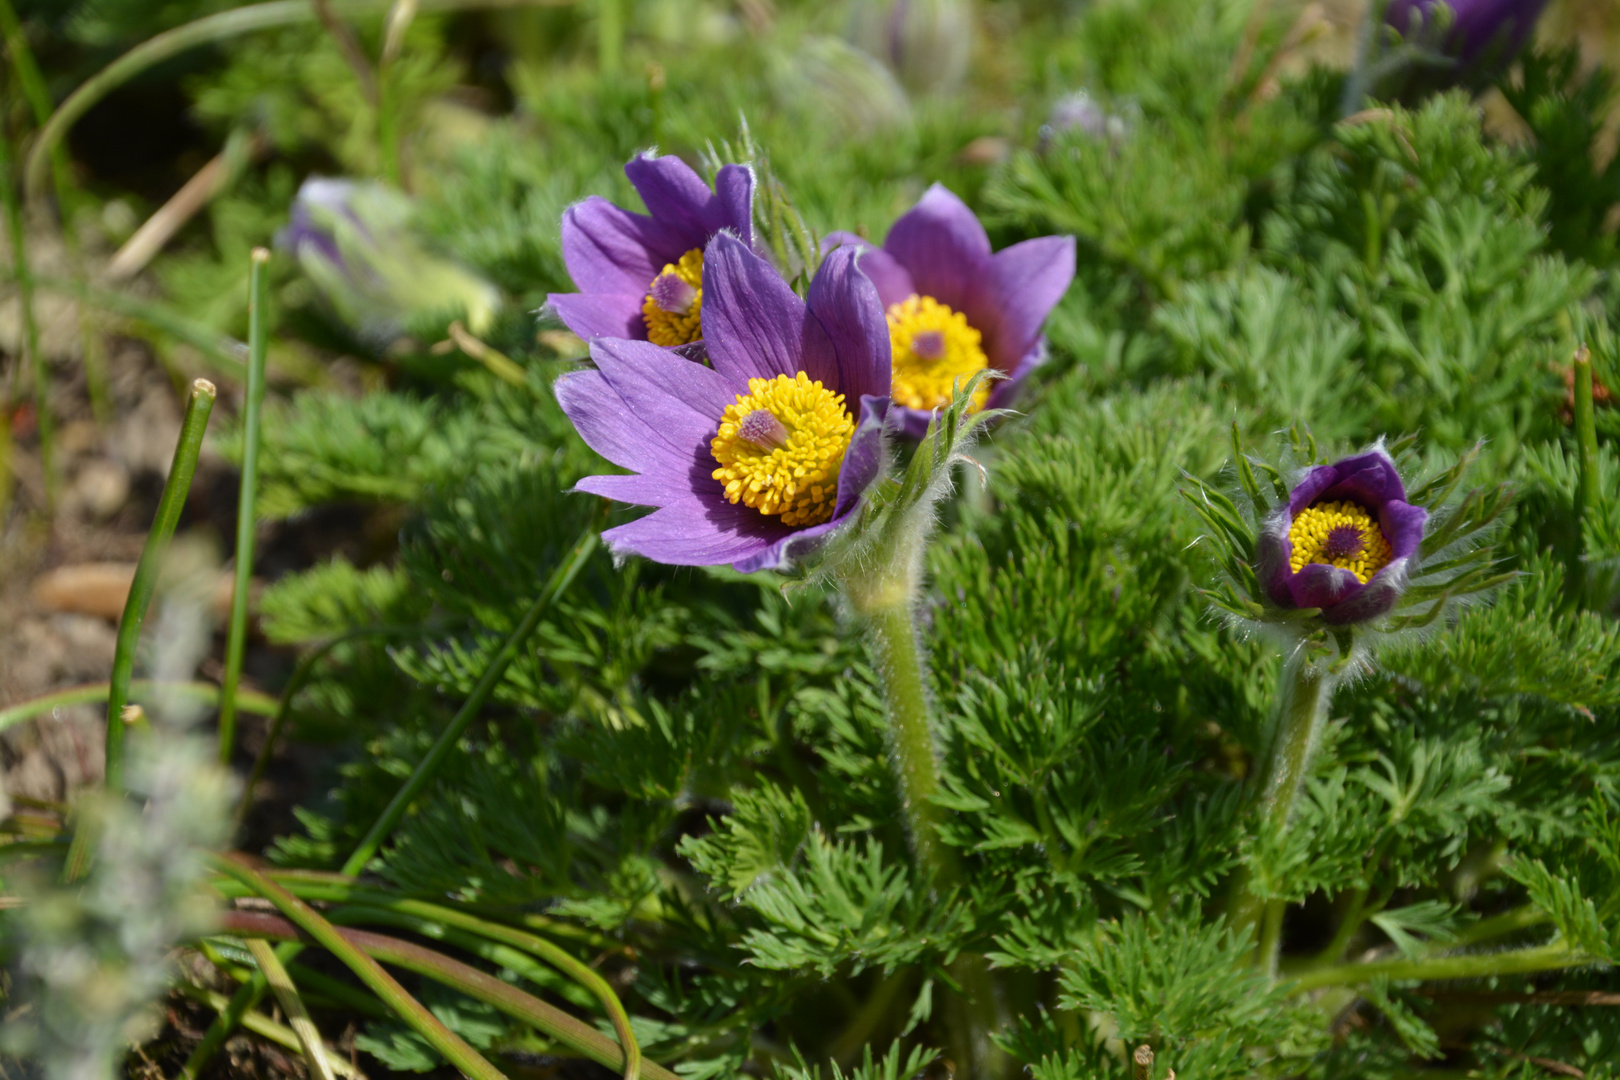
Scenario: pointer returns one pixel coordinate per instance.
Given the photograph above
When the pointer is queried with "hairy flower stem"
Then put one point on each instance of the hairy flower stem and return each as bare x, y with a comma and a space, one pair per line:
884, 593
1307, 689
1480, 965
912, 743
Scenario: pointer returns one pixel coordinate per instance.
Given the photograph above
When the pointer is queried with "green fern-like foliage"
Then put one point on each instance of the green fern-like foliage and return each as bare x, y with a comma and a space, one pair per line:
685, 773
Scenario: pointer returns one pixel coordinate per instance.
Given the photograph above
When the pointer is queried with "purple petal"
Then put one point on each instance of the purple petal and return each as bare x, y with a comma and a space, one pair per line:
698, 532
864, 458
675, 196
1026, 281
1369, 479
1318, 585
681, 402
597, 315
599, 414
609, 250
1272, 551
893, 281
1317, 479
845, 302
912, 424
1005, 391
1402, 524
642, 489
753, 324
943, 246
1376, 598
734, 194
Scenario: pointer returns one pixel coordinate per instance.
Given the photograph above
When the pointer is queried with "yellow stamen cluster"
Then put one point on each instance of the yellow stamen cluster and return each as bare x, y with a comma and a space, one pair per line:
1310, 538
934, 348
799, 478
674, 327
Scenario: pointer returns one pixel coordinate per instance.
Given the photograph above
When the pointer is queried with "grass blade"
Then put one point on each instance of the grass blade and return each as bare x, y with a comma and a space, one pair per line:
560, 580
309, 1039
412, 1012
236, 641
141, 588
469, 980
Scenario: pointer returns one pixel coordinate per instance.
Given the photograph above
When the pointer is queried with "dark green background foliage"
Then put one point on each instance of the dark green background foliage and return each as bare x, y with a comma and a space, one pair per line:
686, 769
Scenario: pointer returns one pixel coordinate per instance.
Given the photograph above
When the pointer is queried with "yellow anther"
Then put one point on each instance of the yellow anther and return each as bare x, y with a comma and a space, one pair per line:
680, 320
1340, 534
934, 348
798, 477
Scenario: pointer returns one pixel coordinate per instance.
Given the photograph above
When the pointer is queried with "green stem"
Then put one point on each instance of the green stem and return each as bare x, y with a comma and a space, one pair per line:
248, 995
573, 1033
259, 1024
489, 941
33, 361
465, 931
561, 579
146, 571
885, 597
309, 1037
1509, 922
366, 969
203, 693
279, 709
1587, 495
1306, 691
1465, 966
253, 407
916, 764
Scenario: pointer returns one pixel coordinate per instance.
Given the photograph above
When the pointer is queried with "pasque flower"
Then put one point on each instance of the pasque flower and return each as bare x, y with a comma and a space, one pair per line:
640, 276
1478, 38
954, 308
1343, 542
753, 461
354, 239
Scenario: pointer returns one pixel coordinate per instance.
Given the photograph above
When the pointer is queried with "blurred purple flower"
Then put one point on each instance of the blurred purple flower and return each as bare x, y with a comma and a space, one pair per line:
1473, 42
1081, 112
926, 43
754, 461
354, 239
954, 308
1344, 542
640, 275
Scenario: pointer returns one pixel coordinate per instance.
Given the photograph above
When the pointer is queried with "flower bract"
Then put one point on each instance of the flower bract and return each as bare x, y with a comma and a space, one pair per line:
756, 460
955, 308
640, 275
1344, 541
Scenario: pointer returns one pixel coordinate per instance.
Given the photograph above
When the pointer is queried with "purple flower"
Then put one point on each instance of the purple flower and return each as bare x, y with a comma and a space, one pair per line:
640, 276
754, 461
1483, 35
354, 239
1344, 542
954, 308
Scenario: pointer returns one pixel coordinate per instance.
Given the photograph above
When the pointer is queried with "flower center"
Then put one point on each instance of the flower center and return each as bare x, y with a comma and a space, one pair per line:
780, 448
934, 348
1340, 534
673, 307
